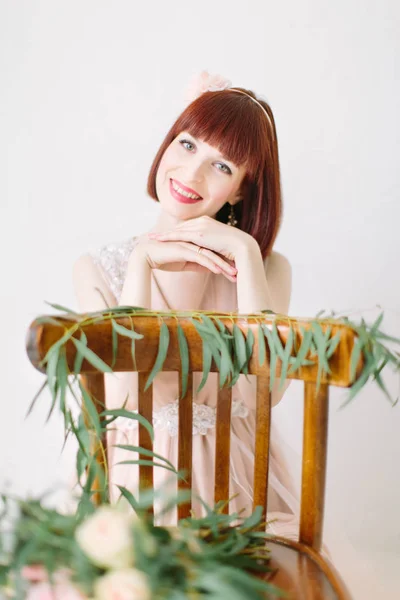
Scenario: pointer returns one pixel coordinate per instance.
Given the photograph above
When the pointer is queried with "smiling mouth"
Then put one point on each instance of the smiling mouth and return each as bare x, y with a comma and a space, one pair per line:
181, 195
185, 191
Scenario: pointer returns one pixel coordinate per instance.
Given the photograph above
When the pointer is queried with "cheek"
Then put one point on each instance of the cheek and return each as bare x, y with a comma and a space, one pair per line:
168, 161
221, 191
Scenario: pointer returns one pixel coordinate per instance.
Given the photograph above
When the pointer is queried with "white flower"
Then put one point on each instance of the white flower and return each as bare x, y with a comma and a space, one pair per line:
204, 82
106, 537
127, 584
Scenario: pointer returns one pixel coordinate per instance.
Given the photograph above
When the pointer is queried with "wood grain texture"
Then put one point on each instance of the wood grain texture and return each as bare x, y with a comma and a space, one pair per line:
94, 385
185, 443
315, 439
145, 408
303, 573
263, 431
223, 446
41, 336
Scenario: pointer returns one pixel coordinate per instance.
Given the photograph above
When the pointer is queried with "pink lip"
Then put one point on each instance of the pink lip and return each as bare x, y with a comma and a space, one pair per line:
179, 196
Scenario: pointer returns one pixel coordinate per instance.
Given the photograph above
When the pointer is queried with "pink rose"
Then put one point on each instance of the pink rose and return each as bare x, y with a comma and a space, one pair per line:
60, 591
34, 573
204, 82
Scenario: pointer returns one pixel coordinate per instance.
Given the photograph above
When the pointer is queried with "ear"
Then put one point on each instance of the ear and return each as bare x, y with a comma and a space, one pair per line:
237, 198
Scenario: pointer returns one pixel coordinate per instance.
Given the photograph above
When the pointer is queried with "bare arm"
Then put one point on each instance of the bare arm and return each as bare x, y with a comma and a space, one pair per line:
91, 289
269, 287
137, 286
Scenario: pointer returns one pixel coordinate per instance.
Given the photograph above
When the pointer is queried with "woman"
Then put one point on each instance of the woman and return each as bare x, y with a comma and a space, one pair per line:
216, 177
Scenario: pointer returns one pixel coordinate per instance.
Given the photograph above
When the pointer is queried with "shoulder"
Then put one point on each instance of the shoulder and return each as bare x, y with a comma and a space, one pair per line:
104, 267
278, 271
278, 265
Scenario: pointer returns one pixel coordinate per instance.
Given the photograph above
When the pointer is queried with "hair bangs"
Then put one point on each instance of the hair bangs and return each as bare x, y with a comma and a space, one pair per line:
227, 122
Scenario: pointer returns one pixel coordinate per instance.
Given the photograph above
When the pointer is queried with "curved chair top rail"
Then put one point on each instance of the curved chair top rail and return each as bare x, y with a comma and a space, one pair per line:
46, 330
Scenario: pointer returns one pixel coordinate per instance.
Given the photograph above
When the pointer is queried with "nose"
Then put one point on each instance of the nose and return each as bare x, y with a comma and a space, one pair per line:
194, 171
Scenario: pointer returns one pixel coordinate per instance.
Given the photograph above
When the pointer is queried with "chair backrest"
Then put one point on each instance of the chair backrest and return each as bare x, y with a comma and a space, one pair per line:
100, 335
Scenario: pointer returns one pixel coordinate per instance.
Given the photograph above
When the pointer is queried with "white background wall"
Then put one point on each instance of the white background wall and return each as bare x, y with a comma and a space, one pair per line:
88, 91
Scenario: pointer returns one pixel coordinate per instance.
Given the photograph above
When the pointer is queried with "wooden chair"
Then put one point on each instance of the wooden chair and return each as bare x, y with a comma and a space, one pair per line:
302, 571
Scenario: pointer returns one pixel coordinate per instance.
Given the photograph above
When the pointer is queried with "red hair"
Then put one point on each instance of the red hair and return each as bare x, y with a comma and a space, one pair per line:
240, 130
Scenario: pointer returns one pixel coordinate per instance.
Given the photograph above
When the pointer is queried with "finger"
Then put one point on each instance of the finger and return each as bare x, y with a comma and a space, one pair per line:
216, 258
203, 258
183, 235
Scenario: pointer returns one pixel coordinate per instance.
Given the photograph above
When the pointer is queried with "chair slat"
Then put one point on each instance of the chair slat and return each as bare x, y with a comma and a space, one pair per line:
262, 442
222, 446
94, 385
315, 437
145, 408
185, 443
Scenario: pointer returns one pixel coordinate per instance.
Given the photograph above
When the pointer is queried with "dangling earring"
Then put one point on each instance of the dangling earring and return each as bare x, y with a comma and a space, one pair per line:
231, 218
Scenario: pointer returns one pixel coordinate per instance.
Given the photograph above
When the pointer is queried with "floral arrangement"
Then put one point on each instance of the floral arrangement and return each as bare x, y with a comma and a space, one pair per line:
109, 553
115, 551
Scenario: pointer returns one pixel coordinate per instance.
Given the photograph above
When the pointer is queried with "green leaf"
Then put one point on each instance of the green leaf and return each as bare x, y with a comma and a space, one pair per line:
124, 331
62, 377
91, 357
240, 346
51, 372
146, 463
249, 348
81, 463
79, 356
277, 341
261, 345
145, 452
253, 520
50, 321
184, 354
62, 308
32, 404
273, 356
163, 345
333, 344
91, 412
122, 412
376, 325
355, 357
321, 341
303, 350
130, 497
286, 355
207, 360
114, 341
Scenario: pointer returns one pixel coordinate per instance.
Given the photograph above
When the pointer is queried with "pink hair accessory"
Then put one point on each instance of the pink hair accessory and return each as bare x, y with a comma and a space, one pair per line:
204, 82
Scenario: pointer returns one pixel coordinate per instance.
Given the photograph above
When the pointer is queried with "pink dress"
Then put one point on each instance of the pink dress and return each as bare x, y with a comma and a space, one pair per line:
219, 294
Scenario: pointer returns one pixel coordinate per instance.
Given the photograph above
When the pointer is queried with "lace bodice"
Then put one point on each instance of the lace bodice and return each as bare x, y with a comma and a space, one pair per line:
112, 259
167, 418
113, 262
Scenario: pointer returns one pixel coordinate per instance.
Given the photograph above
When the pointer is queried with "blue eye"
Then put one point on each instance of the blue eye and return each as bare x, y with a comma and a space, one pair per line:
226, 167
227, 171
183, 142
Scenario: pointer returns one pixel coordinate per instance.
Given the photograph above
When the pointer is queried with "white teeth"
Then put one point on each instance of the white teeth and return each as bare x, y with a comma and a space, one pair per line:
178, 189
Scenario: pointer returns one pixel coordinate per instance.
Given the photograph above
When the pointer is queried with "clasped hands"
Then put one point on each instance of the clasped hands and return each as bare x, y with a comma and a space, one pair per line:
220, 246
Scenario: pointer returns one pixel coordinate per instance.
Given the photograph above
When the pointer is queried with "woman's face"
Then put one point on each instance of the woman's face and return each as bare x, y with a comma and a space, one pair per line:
190, 167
